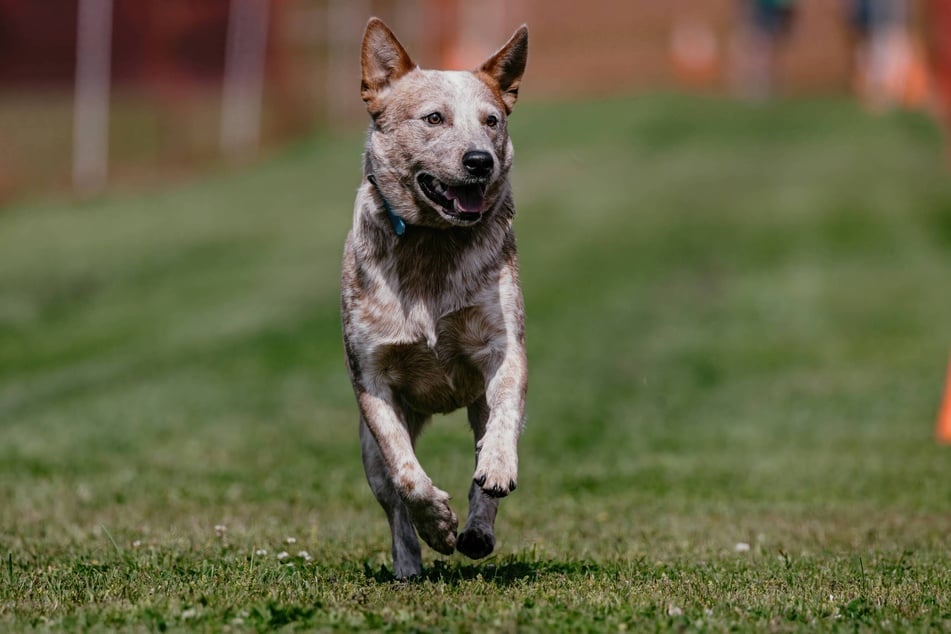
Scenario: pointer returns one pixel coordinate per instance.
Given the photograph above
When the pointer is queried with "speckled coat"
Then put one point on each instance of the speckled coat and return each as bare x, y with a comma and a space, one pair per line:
433, 319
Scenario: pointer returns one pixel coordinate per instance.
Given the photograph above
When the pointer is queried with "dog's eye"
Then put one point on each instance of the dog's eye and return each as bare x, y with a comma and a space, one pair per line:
492, 121
433, 118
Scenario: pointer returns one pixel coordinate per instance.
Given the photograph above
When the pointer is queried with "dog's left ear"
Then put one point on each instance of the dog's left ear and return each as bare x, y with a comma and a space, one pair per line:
506, 67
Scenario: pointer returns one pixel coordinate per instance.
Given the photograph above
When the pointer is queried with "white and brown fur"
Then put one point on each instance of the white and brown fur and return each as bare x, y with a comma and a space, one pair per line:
433, 319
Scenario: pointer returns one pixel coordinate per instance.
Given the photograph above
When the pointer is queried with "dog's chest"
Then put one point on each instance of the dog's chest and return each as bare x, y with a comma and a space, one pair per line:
442, 371
427, 326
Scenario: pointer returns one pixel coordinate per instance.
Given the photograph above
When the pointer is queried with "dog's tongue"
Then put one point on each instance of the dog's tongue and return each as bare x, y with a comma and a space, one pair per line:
469, 198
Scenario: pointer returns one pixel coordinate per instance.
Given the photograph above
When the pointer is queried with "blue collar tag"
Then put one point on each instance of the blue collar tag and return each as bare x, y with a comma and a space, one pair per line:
399, 225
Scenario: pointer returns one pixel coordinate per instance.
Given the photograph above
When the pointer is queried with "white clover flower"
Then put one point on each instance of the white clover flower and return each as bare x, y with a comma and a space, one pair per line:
260, 552
291, 540
303, 554
220, 530
283, 555
742, 547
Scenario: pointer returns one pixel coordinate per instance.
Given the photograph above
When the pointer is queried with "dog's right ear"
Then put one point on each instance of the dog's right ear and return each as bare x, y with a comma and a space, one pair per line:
384, 60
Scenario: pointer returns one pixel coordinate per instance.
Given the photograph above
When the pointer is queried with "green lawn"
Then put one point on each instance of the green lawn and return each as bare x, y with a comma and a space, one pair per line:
739, 320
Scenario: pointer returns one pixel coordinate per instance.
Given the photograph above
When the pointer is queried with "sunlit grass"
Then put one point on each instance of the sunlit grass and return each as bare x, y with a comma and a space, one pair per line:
738, 324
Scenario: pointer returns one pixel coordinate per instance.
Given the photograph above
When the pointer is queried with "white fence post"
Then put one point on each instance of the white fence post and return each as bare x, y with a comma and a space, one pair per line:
243, 88
91, 106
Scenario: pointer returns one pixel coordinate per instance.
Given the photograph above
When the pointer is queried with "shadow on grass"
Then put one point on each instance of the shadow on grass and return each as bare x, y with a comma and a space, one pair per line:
500, 573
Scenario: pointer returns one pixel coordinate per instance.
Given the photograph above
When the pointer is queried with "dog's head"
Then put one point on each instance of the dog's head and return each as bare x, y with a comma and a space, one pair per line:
438, 146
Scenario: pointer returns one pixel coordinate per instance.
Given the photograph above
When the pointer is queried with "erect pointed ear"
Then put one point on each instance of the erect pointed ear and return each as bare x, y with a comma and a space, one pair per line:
383, 60
506, 67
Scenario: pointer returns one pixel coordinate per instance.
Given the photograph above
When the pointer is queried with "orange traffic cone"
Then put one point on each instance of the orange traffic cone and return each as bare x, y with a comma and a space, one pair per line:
943, 428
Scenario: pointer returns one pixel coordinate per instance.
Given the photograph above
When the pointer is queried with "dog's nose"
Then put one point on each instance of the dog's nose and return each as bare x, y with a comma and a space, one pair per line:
477, 162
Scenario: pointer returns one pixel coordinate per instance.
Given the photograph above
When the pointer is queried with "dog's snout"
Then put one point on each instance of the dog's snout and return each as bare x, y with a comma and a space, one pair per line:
478, 162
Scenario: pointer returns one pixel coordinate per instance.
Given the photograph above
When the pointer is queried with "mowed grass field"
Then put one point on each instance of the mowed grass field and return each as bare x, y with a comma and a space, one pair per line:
739, 321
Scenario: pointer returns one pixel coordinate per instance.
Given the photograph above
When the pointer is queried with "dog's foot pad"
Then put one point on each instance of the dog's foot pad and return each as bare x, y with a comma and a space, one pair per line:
475, 544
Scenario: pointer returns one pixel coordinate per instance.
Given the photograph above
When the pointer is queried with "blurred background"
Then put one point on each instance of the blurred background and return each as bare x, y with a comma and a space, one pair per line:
734, 223
130, 91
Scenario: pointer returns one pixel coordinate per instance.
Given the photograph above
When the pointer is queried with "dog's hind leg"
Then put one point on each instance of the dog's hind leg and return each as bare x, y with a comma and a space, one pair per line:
407, 559
477, 539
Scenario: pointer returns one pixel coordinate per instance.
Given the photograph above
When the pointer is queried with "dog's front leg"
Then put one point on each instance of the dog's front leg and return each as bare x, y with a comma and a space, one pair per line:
506, 381
497, 463
428, 506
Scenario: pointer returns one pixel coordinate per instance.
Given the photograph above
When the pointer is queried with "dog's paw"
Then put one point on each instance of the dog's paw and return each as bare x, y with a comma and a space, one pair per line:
496, 472
403, 571
434, 520
475, 543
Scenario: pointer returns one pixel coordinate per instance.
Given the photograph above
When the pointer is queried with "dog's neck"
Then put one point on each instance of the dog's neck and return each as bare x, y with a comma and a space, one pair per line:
399, 225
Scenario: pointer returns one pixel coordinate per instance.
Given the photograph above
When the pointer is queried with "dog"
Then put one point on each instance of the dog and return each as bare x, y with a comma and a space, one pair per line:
432, 311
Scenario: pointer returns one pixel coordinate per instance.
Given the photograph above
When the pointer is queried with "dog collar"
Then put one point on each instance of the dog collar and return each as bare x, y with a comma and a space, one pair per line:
399, 225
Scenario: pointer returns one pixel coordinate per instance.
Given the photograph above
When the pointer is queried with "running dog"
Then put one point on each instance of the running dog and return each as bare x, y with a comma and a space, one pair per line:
433, 318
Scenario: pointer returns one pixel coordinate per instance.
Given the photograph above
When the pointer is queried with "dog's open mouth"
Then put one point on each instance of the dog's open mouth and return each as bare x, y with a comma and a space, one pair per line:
461, 202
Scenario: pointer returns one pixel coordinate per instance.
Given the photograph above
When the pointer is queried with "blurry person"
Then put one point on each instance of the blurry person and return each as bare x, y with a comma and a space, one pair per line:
694, 52
764, 27
938, 19
888, 70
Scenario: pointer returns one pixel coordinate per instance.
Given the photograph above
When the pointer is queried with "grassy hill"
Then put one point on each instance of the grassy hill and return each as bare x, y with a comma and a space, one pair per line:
739, 321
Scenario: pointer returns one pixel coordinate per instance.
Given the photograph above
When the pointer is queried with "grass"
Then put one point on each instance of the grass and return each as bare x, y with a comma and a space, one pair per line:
738, 329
